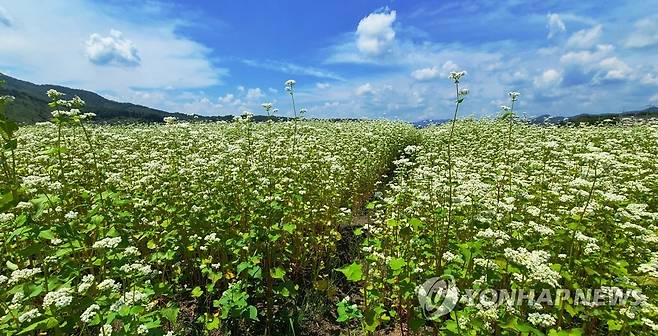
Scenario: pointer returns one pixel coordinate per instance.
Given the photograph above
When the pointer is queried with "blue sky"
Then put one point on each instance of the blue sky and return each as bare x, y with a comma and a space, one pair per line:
358, 58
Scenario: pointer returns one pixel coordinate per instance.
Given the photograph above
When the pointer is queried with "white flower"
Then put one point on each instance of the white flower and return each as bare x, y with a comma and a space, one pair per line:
71, 215
536, 263
109, 284
169, 120
54, 94
514, 95
131, 251
505, 108
138, 268
29, 315
88, 115
457, 75
290, 84
142, 329
541, 320
89, 313
24, 206
59, 298
17, 300
6, 99
463, 92
6, 217
77, 101
106, 330
107, 243
267, 106
22, 274
87, 281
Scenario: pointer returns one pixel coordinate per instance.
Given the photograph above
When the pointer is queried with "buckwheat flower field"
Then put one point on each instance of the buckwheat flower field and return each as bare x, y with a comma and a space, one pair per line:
312, 227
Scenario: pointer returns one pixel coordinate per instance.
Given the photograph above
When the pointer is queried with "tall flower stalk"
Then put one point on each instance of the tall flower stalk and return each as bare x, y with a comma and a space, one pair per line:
508, 114
460, 94
290, 88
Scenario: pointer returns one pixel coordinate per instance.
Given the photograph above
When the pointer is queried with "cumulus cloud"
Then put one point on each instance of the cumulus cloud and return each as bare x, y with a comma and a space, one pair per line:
375, 32
434, 71
292, 69
645, 33
5, 19
229, 99
613, 68
547, 79
587, 57
555, 25
364, 89
186, 63
254, 94
112, 50
595, 67
585, 38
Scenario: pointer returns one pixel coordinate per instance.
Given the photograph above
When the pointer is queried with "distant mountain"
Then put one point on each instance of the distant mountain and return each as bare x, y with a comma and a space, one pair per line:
429, 122
649, 112
548, 119
31, 105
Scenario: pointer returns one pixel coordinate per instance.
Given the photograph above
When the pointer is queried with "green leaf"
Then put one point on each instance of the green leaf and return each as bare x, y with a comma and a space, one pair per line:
213, 324
253, 313
396, 263
614, 325
170, 314
352, 272
277, 273
243, 266
416, 223
46, 234
197, 292
290, 228
11, 265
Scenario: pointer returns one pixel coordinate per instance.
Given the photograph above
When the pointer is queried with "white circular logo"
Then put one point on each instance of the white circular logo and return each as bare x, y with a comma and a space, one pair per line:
438, 296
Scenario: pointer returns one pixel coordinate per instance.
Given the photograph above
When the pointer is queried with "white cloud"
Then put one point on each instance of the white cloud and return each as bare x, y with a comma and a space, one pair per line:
587, 57
229, 99
322, 85
35, 51
375, 32
547, 79
292, 69
426, 73
598, 66
254, 94
5, 19
645, 33
650, 79
555, 25
434, 71
614, 68
654, 98
112, 50
585, 38
364, 89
